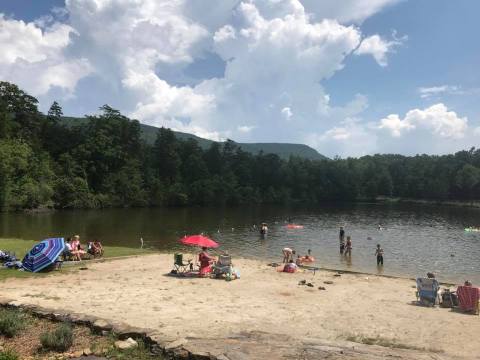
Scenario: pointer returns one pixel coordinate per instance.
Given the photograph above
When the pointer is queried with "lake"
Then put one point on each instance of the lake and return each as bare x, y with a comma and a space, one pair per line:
415, 238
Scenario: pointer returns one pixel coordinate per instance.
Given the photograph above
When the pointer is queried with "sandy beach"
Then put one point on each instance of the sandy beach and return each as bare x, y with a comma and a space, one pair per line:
138, 291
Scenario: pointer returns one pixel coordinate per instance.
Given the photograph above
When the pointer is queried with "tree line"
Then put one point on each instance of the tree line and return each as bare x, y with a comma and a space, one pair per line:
104, 162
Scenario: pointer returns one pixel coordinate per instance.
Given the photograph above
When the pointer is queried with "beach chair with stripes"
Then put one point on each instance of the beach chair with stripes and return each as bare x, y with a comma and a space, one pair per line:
468, 298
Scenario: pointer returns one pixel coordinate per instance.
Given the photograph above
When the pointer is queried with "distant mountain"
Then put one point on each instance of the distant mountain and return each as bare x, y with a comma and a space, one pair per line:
283, 150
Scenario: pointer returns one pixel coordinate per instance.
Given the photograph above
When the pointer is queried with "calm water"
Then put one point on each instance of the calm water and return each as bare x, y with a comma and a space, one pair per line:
416, 238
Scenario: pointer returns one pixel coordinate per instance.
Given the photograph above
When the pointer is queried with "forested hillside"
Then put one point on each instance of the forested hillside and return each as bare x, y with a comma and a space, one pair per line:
105, 162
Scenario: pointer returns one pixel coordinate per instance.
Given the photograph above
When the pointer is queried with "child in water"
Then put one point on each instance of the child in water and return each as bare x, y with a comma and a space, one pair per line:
348, 246
379, 254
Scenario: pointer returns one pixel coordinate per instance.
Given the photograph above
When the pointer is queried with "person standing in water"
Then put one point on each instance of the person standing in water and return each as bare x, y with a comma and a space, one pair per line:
348, 246
341, 237
263, 229
379, 254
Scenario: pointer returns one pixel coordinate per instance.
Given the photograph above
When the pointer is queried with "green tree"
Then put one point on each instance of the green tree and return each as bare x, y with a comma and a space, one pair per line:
467, 178
21, 117
165, 156
55, 112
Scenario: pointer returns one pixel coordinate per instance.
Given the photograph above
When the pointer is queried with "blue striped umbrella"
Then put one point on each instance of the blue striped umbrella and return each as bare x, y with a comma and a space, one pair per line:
43, 254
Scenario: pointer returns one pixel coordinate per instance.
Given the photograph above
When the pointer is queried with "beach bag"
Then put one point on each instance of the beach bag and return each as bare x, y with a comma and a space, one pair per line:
449, 299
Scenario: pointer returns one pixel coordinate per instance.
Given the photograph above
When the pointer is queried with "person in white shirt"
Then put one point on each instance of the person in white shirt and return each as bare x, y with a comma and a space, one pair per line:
288, 254
67, 252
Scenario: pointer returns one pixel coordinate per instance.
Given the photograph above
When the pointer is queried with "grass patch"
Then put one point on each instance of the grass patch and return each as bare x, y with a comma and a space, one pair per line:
21, 247
11, 322
139, 353
9, 355
385, 342
116, 251
60, 339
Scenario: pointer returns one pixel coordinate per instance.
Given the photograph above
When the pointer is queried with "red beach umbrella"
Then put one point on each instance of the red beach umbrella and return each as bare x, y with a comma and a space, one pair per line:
199, 240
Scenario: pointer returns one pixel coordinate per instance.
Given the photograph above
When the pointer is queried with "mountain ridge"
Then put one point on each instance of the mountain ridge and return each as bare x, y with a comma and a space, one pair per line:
283, 150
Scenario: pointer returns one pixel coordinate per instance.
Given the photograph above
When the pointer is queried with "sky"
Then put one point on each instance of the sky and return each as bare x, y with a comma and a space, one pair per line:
349, 78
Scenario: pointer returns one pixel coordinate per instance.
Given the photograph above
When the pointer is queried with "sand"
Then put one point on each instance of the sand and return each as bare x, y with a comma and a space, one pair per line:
139, 292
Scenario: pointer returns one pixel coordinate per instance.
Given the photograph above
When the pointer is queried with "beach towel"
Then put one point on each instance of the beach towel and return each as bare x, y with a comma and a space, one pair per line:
468, 297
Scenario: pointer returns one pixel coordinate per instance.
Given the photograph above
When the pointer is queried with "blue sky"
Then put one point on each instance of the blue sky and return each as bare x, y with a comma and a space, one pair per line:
348, 78
442, 48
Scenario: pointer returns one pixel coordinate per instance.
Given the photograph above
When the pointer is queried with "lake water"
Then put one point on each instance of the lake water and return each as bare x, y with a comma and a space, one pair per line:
416, 238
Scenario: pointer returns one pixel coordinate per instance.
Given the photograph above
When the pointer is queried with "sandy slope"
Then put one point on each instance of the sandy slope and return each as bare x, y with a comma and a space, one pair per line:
137, 291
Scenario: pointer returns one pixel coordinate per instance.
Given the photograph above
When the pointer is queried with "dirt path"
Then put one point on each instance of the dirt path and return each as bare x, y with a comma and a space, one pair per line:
355, 307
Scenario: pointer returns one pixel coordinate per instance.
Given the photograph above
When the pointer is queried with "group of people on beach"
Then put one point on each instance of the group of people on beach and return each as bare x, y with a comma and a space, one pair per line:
75, 251
346, 247
292, 264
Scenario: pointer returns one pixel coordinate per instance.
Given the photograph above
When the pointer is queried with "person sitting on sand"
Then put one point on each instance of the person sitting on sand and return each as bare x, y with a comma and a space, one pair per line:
77, 250
95, 248
348, 246
67, 252
290, 267
205, 262
288, 254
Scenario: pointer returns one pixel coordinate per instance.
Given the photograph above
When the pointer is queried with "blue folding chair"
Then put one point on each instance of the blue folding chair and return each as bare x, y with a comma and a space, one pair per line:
427, 291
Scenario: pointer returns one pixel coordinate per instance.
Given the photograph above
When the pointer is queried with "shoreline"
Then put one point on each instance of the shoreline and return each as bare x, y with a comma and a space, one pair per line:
127, 252
255, 311
379, 200
475, 204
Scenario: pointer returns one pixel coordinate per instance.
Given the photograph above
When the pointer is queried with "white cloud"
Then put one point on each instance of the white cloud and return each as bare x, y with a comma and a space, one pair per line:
428, 92
436, 119
27, 41
245, 128
274, 69
434, 130
224, 34
379, 48
395, 125
287, 113
337, 133
33, 56
161, 101
346, 11
350, 138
